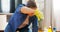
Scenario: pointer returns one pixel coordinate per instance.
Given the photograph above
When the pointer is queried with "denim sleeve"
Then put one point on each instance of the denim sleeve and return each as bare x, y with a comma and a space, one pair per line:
34, 25
18, 9
8, 28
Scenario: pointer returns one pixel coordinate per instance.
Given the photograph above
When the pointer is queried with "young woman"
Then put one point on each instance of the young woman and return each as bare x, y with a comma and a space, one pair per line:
22, 18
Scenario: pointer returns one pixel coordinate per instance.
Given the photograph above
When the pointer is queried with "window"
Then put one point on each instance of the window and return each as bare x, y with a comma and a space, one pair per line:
5, 5
0, 6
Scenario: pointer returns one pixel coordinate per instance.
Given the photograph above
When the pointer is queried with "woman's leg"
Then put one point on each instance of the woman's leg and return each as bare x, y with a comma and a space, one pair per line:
23, 30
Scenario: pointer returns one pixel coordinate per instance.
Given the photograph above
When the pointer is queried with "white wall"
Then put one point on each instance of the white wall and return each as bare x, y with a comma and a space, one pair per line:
56, 11
47, 12
3, 23
24, 1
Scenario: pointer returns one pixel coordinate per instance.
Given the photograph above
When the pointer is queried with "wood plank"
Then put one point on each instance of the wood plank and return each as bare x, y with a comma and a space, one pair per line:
1, 30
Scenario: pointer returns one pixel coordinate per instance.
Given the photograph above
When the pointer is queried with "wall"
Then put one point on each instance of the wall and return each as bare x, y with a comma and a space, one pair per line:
3, 22
56, 11
47, 13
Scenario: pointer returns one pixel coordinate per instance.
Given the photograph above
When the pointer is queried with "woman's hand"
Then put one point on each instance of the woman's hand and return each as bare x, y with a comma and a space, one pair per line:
32, 14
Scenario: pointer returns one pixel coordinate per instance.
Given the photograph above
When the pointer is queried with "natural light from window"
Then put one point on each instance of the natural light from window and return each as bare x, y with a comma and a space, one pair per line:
5, 5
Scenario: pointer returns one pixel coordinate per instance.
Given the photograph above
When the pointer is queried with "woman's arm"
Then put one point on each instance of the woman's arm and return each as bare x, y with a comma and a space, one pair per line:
27, 10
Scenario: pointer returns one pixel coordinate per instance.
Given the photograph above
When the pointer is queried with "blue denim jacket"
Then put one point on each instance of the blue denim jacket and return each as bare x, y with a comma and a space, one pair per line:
18, 18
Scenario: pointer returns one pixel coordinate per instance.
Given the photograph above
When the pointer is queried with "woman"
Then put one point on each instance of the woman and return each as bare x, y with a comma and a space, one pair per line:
22, 18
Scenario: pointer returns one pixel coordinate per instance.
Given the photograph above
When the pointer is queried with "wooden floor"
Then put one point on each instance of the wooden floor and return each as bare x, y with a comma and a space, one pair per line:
40, 30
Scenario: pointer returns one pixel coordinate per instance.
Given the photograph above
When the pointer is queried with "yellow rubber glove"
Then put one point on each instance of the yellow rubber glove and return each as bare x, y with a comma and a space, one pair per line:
39, 14
49, 29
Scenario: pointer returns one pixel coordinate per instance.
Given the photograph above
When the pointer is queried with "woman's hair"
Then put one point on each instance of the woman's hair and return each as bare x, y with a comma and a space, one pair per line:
31, 4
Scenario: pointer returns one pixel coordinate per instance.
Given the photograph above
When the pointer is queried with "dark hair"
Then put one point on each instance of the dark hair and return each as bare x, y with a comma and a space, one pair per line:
31, 4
